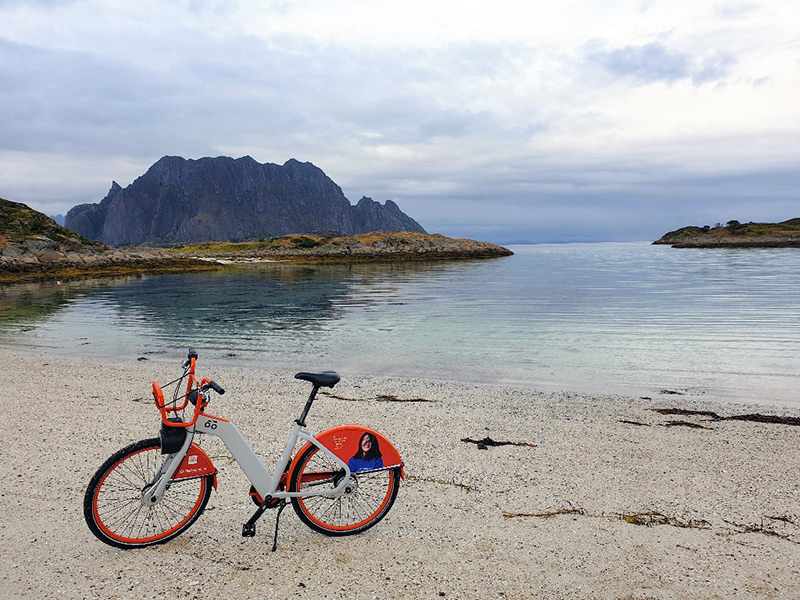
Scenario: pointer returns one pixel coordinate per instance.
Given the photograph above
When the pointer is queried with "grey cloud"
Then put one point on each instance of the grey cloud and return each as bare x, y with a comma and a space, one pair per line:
241, 92
655, 62
713, 68
735, 10
451, 124
86, 102
41, 3
651, 62
57, 100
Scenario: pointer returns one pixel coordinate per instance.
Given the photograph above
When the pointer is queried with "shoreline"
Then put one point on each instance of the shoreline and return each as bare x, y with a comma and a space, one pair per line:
612, 502
706, 395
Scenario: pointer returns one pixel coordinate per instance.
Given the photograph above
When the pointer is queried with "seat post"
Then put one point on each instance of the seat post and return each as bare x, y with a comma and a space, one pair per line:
302, 420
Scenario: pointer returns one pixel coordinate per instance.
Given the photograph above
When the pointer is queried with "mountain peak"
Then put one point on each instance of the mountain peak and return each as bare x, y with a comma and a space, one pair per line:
180, 201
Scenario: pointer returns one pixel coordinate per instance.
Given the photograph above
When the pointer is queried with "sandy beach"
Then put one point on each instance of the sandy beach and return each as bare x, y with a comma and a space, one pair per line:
611, 502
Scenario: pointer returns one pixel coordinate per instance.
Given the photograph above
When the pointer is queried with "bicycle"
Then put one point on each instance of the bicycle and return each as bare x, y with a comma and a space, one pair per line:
341, 482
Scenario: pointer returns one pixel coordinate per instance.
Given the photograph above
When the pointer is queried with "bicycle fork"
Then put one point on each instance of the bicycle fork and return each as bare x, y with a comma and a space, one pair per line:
154, 491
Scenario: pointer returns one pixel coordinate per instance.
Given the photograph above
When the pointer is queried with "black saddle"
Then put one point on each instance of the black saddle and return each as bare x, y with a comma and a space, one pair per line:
324, 379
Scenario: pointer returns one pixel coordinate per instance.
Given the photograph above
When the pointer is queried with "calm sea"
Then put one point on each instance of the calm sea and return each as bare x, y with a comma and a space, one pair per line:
633, 318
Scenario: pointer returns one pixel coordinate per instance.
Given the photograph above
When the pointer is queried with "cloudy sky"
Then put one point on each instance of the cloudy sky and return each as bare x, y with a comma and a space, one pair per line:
505, 120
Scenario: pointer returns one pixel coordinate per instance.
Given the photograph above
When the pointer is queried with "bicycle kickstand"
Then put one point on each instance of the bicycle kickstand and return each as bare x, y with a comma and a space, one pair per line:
249, 528
277, 519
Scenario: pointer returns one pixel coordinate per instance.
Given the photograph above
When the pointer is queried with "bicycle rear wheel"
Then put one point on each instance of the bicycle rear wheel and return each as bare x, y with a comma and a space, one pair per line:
112, 505
369, 498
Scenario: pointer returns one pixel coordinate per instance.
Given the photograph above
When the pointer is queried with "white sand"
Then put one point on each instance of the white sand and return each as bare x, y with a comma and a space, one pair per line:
447, 535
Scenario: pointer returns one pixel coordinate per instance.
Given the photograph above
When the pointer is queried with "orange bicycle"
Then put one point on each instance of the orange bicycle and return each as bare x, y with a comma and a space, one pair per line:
342, 481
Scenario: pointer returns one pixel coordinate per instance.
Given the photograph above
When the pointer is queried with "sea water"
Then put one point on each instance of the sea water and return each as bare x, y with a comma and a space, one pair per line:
720, 324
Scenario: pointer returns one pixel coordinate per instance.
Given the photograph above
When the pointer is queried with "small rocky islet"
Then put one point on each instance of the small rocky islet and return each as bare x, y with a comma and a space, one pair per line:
785, 234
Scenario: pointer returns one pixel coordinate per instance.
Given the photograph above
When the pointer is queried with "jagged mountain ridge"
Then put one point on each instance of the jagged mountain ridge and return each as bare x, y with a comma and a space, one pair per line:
180, 201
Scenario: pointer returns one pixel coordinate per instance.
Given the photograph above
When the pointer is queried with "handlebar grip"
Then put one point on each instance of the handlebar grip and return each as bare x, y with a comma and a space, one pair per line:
214, 386
192, 355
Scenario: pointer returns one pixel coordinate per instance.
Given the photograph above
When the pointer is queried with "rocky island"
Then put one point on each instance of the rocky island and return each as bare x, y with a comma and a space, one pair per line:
185, 214
734, 234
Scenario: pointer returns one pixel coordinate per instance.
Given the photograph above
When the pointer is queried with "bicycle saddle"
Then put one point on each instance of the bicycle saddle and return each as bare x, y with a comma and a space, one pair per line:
324, 379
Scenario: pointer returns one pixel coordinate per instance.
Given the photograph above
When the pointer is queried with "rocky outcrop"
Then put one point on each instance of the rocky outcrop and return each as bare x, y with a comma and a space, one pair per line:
734, 234
766, 241
41, 250
33, 246
376, 246
179, 201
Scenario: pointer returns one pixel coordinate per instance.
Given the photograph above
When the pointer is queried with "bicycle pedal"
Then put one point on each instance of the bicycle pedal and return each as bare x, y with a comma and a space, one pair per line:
248, 530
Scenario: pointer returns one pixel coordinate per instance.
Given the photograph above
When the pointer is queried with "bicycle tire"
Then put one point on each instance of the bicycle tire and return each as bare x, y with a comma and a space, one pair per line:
364, 506
112, 504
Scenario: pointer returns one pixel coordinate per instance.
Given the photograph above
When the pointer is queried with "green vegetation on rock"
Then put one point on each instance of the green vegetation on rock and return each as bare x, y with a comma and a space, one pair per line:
375, 246
19, 222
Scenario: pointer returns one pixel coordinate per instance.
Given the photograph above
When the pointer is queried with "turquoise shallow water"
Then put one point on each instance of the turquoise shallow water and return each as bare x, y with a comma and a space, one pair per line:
634, 318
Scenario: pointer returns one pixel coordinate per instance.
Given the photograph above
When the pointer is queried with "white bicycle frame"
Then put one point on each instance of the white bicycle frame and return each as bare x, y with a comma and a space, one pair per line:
265, 483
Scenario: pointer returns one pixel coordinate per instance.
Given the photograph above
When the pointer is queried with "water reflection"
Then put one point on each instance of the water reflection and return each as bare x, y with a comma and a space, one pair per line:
26, 304
281, 308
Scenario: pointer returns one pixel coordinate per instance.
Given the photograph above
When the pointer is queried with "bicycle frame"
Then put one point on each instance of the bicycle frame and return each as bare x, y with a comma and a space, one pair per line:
265, 483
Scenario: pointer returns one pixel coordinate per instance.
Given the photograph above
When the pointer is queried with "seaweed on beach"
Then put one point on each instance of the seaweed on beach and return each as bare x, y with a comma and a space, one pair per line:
687, 413
545, 515
379, 398
649, 519
487, 441
390, 398
685, 424
767, 529
452, 482
752, 417
782, 527
626, 422
759, 418
335, 397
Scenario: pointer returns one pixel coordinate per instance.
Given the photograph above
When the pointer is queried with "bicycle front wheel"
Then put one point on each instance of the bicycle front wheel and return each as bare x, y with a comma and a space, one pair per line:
367, 500
113, 506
